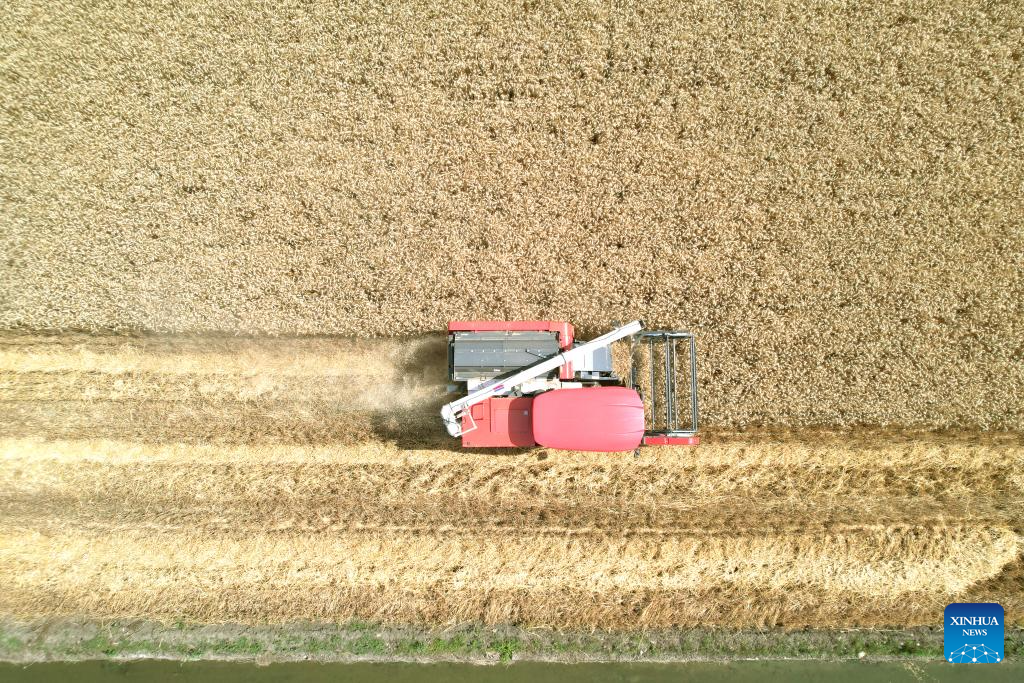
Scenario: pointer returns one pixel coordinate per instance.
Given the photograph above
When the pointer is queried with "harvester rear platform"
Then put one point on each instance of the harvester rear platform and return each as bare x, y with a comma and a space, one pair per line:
531, 383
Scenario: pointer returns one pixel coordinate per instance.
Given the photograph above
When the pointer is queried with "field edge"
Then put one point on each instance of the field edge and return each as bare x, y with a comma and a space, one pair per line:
25, 642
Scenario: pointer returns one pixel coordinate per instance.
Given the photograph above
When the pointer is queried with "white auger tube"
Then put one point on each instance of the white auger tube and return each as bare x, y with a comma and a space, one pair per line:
453, 412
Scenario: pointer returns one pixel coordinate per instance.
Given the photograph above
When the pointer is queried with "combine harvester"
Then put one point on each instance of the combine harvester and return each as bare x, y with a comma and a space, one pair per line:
530, 383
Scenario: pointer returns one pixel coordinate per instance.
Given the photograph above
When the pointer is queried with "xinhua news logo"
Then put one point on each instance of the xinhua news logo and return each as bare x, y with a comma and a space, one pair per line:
973, 633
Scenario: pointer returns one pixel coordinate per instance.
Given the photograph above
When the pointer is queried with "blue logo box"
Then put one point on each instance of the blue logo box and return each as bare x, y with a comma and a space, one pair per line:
973, 632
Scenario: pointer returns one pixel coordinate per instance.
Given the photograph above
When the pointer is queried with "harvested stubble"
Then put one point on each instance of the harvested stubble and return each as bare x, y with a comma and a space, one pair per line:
220, 389
274, 523
829, 193
518, 576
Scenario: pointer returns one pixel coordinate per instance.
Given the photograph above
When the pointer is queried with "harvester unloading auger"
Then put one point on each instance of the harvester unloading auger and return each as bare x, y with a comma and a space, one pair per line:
531, 383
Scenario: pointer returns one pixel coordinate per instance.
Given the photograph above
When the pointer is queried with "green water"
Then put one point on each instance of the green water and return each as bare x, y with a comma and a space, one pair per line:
523, 672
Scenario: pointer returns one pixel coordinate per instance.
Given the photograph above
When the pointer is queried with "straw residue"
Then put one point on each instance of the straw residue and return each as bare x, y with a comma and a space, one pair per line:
448, 577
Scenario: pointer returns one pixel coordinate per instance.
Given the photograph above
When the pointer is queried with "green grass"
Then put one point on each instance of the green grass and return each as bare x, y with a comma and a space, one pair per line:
508, 648
11, 643
240, 646
366, 645
104, 644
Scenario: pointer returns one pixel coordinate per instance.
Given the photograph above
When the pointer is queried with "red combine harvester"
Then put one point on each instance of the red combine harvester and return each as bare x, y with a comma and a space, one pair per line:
531, 382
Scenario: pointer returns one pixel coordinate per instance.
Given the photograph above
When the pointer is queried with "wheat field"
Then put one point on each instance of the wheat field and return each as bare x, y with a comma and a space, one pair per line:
828, 193
277, 480
232, 232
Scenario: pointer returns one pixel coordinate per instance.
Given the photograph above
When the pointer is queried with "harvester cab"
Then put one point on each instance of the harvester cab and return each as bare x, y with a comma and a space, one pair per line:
531, 383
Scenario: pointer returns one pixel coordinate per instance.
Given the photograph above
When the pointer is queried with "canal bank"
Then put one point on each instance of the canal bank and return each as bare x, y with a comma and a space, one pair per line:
522, 672
25, 642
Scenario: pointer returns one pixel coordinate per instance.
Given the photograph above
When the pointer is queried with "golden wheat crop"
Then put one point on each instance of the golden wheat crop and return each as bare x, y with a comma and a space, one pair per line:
828, 193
